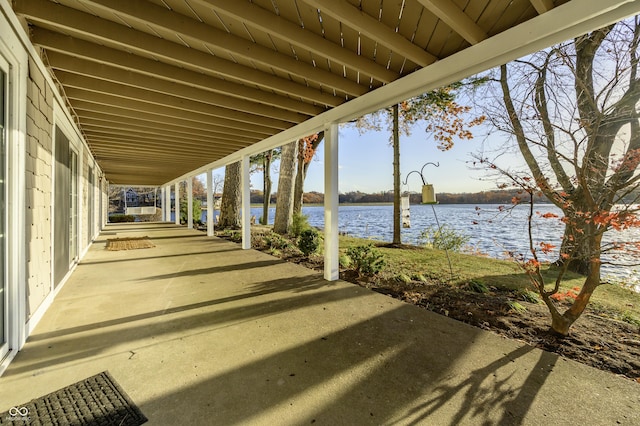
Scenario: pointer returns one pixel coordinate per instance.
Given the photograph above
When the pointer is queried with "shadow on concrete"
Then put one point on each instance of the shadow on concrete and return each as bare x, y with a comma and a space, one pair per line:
89, 340
214, 269
484, 393
168, 256
136, 226
372, 372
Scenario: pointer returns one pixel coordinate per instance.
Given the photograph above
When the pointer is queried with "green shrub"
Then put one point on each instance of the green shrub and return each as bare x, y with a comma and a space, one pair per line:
197, 210
309, 241
630, 318
119, 218
444, 238
419, 277
477, 286
277, 241
366, 259
403, 278
235, 236
516, 307
344, 261
299, 223
529, 296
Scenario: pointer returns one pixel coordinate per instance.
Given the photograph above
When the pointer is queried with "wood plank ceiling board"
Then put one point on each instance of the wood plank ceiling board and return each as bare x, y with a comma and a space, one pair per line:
183, 141
94, 110
409, 26
511, 12
199, 80
133, 123
388, 13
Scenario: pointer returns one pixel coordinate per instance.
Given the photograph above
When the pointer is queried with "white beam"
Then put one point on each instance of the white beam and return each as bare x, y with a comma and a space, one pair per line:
199, 32
57, 42
355, 18
331, 244
114, 34
177, 203
542, 6
559, 24
246, 203
210, 205
190, 203
256, 16
456, 19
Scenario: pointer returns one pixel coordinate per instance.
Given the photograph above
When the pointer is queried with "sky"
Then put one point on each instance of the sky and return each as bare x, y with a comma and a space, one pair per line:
366, 160
366, 163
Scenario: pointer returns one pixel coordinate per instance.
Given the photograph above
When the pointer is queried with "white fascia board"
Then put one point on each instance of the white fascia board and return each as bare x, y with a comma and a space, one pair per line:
562, 23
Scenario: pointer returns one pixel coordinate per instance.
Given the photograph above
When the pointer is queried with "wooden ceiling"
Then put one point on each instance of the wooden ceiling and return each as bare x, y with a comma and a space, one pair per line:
162, 87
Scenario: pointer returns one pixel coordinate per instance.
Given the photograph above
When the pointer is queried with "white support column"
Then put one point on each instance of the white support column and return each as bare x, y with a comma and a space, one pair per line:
167, 204
177, 203
210, 207
163, 199
190, 203
331, 245
246, 203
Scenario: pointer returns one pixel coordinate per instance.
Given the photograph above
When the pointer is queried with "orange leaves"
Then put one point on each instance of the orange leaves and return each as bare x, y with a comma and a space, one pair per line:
546, 248
549, 215
616, 220
531, 266
571, 294
307, 147
446, 121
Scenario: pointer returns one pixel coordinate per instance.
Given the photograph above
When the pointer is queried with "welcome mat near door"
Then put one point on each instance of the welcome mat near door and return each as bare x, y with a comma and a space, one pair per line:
98, 401
129, 243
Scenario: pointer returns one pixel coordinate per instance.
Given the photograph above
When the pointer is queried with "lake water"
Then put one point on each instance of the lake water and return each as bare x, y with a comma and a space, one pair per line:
490, 231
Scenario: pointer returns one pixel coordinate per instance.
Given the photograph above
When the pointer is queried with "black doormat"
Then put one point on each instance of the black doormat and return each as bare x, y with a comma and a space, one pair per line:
98, 401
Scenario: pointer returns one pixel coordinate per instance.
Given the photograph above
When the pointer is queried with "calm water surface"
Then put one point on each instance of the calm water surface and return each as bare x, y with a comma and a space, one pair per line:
490, 231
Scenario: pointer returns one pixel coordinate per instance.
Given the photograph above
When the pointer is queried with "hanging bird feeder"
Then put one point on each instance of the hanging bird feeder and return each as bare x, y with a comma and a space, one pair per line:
428, 192
405, 211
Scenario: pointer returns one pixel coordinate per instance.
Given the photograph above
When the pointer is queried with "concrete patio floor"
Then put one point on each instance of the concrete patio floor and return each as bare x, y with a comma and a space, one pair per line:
200, 332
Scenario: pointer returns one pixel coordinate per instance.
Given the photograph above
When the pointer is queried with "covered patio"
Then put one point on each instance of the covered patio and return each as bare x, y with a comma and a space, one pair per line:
202, 331
198, 331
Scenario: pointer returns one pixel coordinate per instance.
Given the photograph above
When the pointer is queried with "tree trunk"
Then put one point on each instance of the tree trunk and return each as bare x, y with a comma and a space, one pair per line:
266, 187
303, 166
396, 178
562, 324
284, 200
301, 173
230, 206
578, 262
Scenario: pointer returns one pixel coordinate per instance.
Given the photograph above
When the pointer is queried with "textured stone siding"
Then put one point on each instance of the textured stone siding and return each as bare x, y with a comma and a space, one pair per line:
38, 196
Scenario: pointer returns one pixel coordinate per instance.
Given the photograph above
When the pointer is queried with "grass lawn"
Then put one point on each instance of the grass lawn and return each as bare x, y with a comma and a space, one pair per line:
416, 264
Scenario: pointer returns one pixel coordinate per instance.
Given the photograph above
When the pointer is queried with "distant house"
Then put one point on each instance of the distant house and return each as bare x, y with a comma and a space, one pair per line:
132, 197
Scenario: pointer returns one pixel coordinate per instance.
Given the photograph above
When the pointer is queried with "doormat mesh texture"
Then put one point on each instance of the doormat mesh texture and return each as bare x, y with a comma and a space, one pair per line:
115, 244
95, 401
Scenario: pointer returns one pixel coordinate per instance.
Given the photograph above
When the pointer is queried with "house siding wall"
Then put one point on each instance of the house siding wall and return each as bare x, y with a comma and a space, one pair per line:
38, 196
84, 177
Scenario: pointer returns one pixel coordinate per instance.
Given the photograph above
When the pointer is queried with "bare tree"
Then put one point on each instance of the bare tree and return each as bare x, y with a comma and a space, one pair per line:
573, 112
